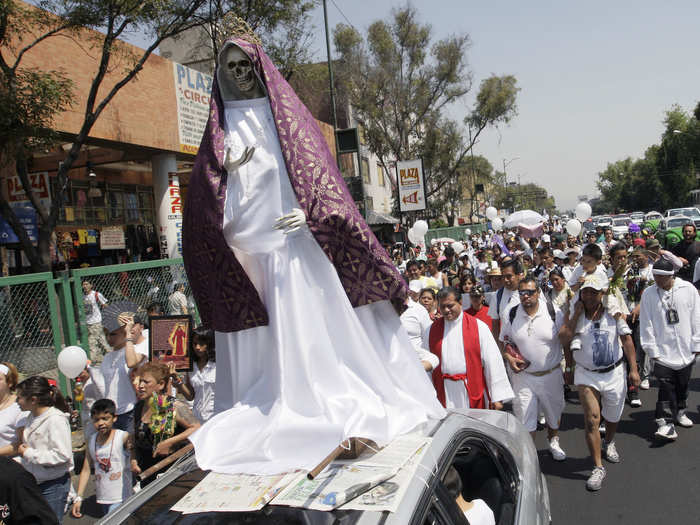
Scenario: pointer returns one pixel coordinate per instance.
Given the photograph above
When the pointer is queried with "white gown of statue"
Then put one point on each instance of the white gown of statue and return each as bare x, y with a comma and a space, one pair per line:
322, 371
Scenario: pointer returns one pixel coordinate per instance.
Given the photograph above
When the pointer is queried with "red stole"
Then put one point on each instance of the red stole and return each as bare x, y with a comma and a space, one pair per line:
472, 356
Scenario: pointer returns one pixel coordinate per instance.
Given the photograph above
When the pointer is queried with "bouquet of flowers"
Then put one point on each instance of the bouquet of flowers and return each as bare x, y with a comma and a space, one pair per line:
162, 418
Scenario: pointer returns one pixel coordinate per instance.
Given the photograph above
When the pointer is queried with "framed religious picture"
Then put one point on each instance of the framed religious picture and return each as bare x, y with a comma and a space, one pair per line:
169, 340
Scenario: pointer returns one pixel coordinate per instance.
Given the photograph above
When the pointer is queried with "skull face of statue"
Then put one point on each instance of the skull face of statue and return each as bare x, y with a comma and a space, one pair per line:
237, 75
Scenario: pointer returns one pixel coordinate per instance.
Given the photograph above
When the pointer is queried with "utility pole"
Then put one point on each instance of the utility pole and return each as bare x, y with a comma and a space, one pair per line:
332, 85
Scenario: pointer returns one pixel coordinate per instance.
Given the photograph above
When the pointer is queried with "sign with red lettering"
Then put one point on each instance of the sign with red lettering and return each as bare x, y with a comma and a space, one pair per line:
40, 186
409, 175
192, 89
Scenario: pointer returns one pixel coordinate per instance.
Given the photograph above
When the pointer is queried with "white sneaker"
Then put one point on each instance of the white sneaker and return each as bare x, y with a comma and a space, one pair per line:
666, 432
683, 420
644, 385
555, 449
610, 452
575, 343
596, 480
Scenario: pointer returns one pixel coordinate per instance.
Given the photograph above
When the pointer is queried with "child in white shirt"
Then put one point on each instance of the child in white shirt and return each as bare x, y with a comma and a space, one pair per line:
108, 450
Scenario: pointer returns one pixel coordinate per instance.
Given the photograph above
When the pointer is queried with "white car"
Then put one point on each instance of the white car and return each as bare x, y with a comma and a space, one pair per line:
653, 216
620, 226
691, 212
637, 217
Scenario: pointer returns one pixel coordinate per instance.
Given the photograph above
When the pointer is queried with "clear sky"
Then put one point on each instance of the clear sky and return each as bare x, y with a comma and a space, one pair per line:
596, 77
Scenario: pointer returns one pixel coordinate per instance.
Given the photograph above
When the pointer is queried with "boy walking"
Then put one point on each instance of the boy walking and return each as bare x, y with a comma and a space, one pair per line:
108, 451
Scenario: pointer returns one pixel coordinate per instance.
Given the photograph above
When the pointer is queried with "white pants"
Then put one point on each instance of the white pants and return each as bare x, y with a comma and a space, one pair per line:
612, 387
535, 394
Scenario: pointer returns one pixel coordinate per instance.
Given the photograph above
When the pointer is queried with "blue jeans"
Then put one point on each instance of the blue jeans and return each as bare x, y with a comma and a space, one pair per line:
56, 493
125, 422
109, 507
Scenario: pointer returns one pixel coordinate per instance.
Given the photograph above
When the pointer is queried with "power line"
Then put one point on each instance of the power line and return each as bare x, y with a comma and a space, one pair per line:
343, 14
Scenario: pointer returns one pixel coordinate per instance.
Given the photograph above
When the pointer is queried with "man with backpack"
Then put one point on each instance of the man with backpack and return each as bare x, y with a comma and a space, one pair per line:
93, 302
529, 334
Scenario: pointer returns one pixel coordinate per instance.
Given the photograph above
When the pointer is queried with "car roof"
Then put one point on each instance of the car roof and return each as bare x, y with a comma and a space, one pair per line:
499, 426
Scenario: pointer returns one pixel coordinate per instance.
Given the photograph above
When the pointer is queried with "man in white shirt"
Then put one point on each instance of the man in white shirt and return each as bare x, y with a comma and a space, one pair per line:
504, 300
177, 302
598, 370
130, 351
537, 379
471, 373
669, 325
93, 301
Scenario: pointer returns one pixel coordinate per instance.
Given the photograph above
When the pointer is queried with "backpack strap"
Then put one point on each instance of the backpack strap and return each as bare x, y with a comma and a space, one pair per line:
550, 309
513, 312
499, 296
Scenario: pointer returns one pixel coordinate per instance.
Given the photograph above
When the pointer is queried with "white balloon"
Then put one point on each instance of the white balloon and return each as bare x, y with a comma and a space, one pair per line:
468, 231
71, 361
497, 224
491, 213
420, 228
573, 227
412, 237
583, 211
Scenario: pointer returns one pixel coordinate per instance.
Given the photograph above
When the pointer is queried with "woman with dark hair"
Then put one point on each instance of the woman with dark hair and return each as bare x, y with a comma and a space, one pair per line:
428, 299
46, 448
162, 424
199, 385
560, 293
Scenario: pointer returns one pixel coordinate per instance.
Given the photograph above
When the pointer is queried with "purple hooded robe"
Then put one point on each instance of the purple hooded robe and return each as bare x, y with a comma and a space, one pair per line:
225, 296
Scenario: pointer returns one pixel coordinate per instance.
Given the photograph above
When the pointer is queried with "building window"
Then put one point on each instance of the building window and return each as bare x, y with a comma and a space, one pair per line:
113, 204
380, 175
365, 171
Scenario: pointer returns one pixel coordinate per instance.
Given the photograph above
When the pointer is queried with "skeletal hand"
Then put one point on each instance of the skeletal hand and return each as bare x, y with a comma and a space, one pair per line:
232, 165
291, 222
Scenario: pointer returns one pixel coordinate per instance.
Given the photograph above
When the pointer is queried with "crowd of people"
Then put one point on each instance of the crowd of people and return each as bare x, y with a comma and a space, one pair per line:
131, 414
499, 318
530, 318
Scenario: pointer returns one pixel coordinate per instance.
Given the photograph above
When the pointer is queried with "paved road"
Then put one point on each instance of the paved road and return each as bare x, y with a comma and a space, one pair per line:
653, 484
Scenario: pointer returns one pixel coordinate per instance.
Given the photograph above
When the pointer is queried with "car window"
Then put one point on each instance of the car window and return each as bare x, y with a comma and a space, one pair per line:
676, 223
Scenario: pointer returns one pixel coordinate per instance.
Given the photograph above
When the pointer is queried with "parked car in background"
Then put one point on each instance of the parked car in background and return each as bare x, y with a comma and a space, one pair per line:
492, 452
604, 220
620, 226
637, 217
653, 215
670, 230
691, 213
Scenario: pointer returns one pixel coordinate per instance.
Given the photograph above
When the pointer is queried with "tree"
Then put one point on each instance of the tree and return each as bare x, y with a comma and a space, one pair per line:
400, 82
529, 196
665, 175
284, 26
30, 99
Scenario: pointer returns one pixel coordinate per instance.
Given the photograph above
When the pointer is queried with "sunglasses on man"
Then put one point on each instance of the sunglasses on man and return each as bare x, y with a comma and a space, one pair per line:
527, 293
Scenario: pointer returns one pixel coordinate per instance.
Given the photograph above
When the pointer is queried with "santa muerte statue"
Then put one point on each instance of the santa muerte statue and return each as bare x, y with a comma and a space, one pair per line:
310, 351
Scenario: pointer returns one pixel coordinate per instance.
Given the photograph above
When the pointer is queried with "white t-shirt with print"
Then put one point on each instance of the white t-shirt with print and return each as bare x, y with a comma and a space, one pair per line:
112, 468
600, 341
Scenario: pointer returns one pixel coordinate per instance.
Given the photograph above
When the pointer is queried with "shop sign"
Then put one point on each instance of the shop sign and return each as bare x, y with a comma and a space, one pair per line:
409, 175
112, 238
40, 186
192, 89
27, 216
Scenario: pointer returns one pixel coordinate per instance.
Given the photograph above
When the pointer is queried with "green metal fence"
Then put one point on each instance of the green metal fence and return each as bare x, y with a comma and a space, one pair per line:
143, 283
458, 233
30, 330
40, 313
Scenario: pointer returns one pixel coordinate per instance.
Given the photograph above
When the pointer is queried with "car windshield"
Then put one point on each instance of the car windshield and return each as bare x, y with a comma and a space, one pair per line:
677, 223
688, 212
621, 222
